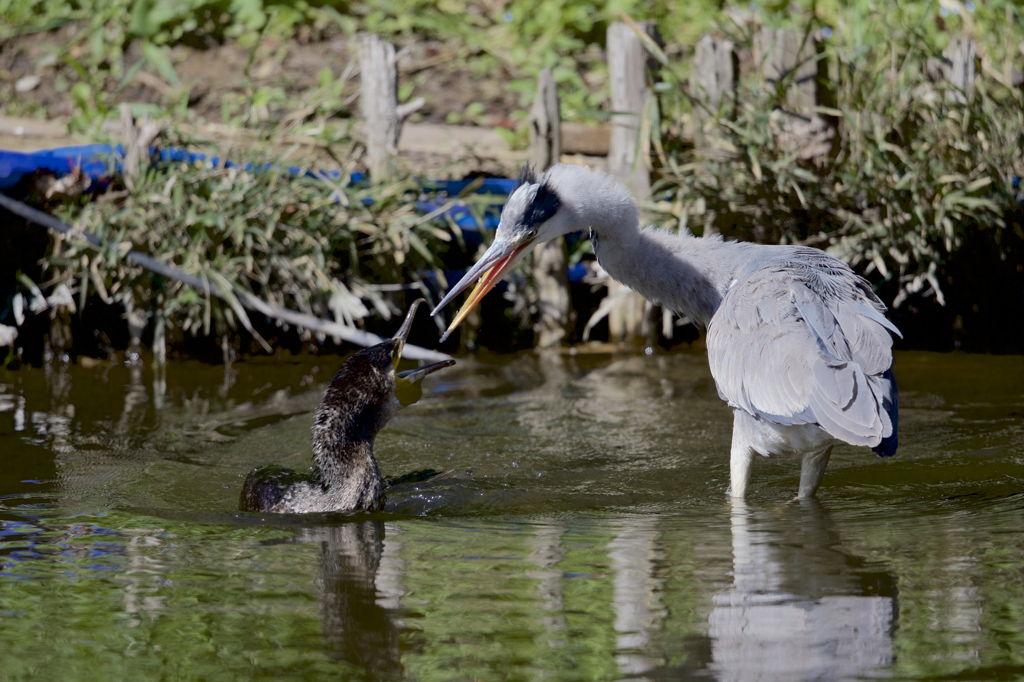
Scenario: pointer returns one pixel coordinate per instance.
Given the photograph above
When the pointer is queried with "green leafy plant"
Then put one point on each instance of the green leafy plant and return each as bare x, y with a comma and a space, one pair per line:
916, 166
294, 240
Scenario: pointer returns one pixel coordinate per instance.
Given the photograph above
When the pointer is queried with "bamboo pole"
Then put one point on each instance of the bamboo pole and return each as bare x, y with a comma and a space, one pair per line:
247, 300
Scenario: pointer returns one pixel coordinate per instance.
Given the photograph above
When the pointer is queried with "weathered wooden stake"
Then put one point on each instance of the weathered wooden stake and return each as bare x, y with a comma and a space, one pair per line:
627, 71
956, 66
159, 354
379, 102
545, 124
781, 55
714, 71
136, 142
159, 336
961, 53
627, 63
549, 259
137, 320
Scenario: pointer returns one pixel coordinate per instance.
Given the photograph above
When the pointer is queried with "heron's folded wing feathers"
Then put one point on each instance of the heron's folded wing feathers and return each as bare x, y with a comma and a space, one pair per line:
781, 350
757, 359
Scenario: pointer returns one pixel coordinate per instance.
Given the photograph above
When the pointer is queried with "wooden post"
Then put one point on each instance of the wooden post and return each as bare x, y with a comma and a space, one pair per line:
137, 320
955, 66
627, 72
545, 124
550, 258
136, 143
627, 63
780, 55
159, 353
960, 53
714, 71
378, 93
159, 335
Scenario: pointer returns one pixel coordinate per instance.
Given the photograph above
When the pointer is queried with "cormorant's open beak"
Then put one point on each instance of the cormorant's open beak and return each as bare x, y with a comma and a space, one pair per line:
416, 375
407, 383
403, 332
495, 262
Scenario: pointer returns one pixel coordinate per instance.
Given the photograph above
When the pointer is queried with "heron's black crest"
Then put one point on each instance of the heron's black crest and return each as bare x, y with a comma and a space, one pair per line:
527, 176
545, 205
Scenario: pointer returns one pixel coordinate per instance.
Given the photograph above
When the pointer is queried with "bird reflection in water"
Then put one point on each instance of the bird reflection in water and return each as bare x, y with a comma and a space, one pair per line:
358, 597
796, 610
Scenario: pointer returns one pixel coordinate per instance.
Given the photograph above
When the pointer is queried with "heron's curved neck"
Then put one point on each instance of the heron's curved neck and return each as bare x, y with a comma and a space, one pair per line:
594, 202
688, 275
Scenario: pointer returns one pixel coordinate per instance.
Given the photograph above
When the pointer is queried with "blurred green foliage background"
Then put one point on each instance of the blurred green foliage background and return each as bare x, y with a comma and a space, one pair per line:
918, 191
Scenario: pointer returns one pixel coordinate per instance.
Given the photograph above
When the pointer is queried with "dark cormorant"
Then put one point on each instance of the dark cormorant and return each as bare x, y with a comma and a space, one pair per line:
364, 394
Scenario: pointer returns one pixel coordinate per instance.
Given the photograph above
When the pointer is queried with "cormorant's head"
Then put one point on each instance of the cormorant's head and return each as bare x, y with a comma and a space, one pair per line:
407, 384
368, 388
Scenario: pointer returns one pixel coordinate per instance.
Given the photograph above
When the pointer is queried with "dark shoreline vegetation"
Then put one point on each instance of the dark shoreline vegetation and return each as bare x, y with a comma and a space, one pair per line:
916, 190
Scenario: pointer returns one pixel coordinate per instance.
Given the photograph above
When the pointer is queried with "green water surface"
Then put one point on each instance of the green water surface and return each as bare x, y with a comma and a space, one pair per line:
581, 531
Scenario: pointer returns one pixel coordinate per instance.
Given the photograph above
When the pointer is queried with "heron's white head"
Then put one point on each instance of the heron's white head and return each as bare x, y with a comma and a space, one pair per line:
528, 218
534, 213
564, 199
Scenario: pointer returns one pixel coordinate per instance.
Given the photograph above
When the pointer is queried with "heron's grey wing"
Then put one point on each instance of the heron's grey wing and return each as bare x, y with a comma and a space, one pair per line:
799, 352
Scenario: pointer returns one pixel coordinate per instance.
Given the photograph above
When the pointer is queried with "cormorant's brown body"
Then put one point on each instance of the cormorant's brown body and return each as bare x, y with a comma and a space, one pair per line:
361, 398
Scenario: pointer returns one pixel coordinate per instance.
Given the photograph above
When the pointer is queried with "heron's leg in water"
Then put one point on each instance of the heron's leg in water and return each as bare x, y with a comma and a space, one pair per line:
812, 470
742, 455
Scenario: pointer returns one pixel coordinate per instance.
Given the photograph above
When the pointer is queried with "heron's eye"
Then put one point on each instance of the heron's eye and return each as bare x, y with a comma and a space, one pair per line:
531, 234
395, 354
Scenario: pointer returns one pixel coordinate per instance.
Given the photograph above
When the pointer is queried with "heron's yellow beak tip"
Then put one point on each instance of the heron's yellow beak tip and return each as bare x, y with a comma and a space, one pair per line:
486, 283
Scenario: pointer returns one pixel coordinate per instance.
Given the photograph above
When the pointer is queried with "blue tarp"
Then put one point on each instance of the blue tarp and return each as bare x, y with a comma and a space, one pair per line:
91, 158
98, 161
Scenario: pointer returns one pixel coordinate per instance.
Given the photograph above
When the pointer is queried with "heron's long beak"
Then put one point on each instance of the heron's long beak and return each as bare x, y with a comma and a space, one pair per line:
495, 262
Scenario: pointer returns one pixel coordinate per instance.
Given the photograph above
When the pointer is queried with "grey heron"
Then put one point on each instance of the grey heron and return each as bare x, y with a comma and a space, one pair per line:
799, 345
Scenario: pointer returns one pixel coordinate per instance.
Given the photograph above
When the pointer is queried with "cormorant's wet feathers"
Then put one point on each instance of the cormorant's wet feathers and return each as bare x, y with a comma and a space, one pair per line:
363, 395
265, 486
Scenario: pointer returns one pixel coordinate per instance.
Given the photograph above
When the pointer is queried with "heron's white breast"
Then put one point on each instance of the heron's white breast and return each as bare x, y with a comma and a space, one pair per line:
768, 439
